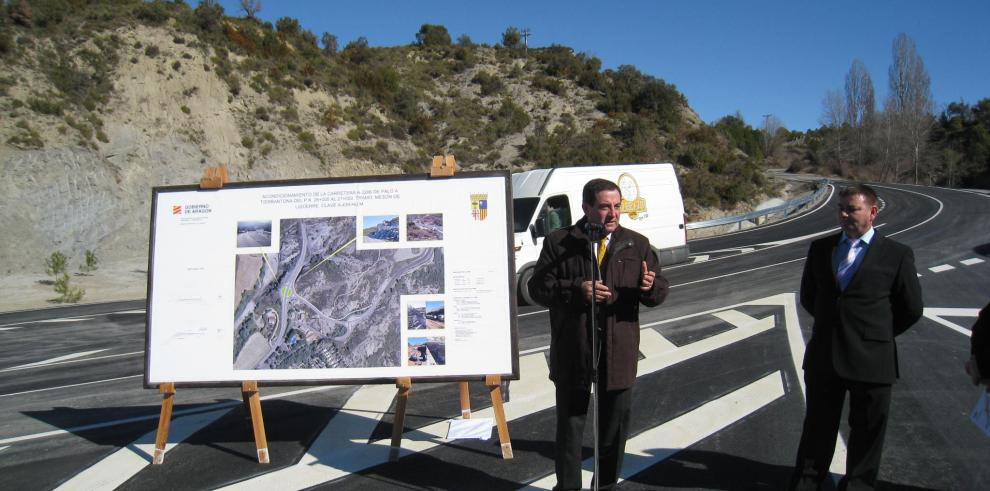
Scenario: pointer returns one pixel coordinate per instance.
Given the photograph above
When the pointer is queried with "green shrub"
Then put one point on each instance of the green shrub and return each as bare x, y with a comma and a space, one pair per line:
56, 263
176, 65
152, 51
357, 133
91, 262
549, 84
27, 138
247, 142
432, 35
154, 13
101, 136
6, 42
67, 293
266, 149
509, 119
185, 109
489, 83
50, 105
261, 113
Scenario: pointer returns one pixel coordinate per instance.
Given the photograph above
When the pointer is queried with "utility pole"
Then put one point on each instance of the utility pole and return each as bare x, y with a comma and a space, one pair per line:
525, 35
766, 137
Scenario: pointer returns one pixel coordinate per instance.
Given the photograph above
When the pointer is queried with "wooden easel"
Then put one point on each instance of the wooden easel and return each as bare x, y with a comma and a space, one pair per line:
213, 178
444, 166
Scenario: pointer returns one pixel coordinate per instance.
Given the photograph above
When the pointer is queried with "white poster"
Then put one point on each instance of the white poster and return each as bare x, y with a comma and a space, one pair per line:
355, 280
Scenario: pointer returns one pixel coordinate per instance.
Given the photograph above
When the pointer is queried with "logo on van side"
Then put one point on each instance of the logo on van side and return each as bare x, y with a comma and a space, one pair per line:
632, 203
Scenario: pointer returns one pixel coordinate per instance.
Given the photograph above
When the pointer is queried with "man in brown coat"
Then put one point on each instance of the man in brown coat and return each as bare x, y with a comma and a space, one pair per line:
563, 282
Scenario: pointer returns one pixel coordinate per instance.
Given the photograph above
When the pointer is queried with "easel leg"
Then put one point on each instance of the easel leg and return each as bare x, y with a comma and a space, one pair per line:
494, 383
465, 400
164, 419
404, 384
249, 391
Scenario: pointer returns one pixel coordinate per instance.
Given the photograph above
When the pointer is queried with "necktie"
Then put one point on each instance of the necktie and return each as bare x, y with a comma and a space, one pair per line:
601, 249
844, 272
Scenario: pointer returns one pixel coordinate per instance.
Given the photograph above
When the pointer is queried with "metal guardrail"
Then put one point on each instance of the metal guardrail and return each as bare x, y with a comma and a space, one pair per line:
785, 210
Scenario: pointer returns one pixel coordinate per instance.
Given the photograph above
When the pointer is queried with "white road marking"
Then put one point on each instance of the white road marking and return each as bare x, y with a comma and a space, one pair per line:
4, 448
941, 267
941, 206
55, 360
71, 385
37, 365
60, 320
971, 261
700, 258
737, 272
11, 328
936, 314
135, 419
662, 442
121, 465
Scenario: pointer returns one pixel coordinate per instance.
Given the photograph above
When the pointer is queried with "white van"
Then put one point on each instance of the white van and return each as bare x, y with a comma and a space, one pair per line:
547, 199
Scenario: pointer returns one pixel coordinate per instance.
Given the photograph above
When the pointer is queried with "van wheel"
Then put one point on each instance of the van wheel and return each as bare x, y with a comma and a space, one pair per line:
524, 287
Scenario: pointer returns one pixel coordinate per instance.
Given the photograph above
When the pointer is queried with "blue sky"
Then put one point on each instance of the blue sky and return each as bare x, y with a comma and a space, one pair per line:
757, 57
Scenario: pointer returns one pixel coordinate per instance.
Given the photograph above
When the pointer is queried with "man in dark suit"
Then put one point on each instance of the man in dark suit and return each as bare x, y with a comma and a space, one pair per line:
862, 289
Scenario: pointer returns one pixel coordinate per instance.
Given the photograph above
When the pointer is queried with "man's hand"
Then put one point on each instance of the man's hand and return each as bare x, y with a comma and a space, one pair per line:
646, 278
600, 291
973, 369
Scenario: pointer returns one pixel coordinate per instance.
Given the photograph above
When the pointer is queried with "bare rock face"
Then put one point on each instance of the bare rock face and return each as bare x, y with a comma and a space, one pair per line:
63, 199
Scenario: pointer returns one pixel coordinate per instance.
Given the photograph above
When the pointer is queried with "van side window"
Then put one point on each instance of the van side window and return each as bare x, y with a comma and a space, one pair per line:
556, 213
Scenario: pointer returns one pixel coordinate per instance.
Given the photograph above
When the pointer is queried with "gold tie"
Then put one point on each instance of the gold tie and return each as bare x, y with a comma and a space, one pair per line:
601, 249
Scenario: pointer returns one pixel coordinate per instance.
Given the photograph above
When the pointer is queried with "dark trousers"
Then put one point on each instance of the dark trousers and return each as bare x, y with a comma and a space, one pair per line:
613, 428
869, 407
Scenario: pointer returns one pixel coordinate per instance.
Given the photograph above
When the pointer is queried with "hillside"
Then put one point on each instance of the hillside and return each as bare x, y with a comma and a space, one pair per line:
103, 101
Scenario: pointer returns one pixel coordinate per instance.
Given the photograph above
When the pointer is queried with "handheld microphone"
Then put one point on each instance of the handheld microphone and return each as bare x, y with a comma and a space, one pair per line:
594, 231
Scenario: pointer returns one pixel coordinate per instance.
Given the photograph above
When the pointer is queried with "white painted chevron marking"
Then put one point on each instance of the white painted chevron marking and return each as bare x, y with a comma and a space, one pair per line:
940, 268
56, 359
661, 442
971, 261
117, 468
936, 315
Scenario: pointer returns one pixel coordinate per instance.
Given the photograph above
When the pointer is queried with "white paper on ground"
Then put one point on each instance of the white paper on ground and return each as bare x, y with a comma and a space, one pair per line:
480, 428
981, 413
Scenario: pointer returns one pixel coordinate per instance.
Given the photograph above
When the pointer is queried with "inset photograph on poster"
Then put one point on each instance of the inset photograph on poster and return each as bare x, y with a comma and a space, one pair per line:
427, 226
254, 233
380, 228
426, 351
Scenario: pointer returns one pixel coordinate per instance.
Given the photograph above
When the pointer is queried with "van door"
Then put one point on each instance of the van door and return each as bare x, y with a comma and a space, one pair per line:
554, 214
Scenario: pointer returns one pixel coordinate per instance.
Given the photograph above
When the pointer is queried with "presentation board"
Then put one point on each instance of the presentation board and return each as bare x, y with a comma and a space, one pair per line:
350, 280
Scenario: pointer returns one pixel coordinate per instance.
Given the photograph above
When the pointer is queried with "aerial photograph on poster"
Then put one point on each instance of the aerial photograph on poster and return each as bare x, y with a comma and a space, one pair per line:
426, 351
322, 303
427, 226
254, 233
381, 228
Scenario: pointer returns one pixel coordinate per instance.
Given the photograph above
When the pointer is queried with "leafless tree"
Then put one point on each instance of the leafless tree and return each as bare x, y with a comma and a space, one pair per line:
910, 97
834, 117
772, 127
860, 111
251, 7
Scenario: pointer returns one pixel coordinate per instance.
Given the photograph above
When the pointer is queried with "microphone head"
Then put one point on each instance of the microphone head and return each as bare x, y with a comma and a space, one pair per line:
594, 231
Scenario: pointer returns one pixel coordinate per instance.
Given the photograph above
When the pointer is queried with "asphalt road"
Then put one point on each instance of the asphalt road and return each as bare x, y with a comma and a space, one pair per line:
718, 402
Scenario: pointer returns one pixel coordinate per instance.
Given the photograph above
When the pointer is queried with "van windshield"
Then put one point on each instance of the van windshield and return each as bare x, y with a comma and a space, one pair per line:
522, 213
